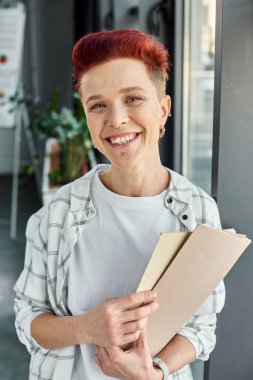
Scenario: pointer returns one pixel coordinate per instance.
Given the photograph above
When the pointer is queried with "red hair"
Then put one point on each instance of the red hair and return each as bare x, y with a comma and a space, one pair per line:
95, 48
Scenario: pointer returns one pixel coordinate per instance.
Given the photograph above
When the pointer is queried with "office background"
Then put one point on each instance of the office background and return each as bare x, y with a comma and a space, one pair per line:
209, 137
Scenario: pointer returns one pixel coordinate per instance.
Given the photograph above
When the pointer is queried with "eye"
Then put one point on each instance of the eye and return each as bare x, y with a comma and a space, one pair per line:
97, 106
134, 99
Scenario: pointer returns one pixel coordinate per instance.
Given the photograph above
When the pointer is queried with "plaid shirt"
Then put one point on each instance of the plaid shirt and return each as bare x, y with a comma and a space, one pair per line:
52, 233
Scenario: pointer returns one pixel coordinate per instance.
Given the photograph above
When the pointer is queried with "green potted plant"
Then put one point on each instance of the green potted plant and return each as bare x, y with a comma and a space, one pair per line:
69, 158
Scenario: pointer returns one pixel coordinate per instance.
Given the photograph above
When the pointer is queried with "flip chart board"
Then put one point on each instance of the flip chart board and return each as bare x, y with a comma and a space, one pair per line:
12, 25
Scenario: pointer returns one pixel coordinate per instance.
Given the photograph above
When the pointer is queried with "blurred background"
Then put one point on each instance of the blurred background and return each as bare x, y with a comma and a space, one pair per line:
44, 140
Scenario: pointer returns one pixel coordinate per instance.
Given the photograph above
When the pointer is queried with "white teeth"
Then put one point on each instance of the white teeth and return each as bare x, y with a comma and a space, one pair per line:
122, 140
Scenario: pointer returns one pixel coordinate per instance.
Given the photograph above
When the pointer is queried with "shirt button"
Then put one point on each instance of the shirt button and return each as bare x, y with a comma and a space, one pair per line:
169, 200
184, 217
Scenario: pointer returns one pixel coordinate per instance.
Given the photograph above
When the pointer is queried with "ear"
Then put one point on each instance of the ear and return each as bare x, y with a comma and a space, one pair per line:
165, 109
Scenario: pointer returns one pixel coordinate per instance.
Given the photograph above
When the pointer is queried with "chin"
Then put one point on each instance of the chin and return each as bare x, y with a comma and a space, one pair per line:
125, 163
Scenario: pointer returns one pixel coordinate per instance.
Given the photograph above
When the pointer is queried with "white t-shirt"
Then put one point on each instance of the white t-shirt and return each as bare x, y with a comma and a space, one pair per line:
111, 256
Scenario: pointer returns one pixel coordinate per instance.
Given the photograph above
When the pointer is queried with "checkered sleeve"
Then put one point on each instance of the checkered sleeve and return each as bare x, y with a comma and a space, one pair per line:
200, 329
31, 287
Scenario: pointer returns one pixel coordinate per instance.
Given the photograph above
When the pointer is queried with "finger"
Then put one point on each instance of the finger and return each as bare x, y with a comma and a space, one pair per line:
113, 351
110, 299
133, 299
103, 354
143, 341
97, 360
129, 338
139, 313
130, 327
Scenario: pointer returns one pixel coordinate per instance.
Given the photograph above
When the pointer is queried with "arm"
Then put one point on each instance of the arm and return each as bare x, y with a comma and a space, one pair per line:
32, 298
178, 353
136, 364
40, 321
195, 340
110, 323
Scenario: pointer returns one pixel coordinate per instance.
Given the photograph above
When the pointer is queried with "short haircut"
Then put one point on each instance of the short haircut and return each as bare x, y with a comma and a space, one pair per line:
96, 48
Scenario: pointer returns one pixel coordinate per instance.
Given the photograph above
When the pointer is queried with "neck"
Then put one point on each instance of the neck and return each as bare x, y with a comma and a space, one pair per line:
137, 181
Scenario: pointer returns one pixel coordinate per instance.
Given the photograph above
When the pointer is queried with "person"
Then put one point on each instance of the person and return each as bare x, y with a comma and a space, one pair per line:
77, 310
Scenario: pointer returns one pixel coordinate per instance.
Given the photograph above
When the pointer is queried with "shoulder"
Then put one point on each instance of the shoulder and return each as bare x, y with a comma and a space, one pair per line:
187, 190
202, 204
72, 196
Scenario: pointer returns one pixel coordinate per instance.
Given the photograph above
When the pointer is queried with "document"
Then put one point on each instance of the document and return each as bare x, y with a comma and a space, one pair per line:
184, 270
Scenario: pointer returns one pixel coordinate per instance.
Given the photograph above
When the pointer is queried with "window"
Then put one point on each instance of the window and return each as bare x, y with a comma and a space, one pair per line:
198, 90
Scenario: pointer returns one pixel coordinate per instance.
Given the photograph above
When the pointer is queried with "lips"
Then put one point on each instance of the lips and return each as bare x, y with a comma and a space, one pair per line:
122, 139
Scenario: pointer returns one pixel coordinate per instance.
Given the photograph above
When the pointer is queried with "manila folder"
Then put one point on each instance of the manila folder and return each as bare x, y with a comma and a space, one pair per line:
202, 262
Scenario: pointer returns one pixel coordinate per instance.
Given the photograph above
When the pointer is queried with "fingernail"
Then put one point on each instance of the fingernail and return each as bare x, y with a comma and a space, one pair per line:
154, 294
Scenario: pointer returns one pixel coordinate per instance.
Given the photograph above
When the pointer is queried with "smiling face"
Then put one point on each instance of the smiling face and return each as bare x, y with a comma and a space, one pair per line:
124, 112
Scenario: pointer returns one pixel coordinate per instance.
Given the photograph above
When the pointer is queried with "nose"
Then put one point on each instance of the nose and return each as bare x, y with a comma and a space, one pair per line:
116, 116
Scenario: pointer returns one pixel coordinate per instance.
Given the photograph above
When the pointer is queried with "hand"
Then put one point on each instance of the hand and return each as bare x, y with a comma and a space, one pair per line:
135, 364
117, 321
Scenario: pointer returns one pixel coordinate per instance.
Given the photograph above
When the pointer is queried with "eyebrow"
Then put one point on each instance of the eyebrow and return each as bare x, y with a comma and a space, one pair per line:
130, 89
122, 90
